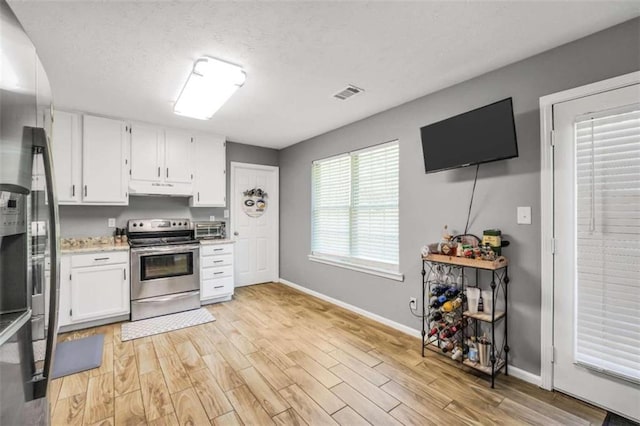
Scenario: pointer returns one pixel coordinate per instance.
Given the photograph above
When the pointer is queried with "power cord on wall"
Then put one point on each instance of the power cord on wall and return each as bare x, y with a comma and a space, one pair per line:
473, 191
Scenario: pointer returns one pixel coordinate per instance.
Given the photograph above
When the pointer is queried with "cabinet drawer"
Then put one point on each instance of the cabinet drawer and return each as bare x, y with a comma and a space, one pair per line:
208, 250
221, 272
221, 260
216, 288
94, 259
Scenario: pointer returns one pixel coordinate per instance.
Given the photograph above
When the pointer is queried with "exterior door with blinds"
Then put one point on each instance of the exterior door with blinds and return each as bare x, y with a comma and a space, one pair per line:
597, 260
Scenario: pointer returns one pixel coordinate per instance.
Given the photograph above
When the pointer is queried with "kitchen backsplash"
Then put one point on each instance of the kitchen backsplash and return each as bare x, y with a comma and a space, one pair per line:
83, 221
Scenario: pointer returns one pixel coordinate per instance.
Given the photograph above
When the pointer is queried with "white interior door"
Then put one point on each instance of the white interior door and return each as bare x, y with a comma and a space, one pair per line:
597, 261
256, 249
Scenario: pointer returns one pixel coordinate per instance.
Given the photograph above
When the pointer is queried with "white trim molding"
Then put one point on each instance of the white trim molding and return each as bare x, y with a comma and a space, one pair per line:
546, 209
392, 275
513, 371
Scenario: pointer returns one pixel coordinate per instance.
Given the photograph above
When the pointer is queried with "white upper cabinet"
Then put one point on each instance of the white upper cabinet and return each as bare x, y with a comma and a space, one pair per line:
209, 185
105, 158
161, 161
177, 157
66, 146
147, 153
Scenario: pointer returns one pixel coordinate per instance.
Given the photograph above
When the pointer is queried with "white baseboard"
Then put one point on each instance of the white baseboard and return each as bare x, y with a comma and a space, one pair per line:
525, 376
513, 371
396, 325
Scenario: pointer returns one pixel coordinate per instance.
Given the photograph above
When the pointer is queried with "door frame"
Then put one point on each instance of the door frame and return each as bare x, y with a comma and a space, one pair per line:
547, 230
274, 207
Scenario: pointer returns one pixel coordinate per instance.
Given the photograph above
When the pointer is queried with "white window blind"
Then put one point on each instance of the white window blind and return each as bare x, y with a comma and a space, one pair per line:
355, 207
608, 242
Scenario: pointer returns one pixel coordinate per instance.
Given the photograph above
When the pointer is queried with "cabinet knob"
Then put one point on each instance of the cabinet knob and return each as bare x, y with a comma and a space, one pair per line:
236, 233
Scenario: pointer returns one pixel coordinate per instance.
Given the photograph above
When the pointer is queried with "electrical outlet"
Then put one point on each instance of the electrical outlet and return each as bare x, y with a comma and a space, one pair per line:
212, 218
112, 222
226, 214
524, 215
413, 303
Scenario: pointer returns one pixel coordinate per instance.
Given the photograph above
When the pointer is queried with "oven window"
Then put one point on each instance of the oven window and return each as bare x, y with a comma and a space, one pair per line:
166, 265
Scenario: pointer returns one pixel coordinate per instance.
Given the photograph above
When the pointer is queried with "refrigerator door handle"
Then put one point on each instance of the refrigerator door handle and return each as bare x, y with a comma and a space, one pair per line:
41, 142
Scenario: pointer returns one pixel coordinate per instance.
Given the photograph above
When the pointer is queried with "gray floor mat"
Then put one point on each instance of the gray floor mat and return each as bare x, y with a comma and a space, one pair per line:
78, 355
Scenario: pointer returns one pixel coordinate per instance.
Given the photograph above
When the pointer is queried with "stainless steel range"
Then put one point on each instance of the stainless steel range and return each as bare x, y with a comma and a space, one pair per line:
165, 267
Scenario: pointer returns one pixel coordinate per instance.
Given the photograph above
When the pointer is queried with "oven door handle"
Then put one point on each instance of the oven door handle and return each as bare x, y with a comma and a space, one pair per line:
168, 249
166, 299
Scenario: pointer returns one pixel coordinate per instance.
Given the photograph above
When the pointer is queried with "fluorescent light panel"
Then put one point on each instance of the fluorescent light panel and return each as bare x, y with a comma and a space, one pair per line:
210, 84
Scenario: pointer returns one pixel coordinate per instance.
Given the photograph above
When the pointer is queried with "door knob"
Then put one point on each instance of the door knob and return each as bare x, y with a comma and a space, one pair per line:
236, 233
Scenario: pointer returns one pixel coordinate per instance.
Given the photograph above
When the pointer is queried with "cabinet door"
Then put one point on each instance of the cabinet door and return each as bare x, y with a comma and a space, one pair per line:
209, 173
99, 292
147, 146
177, 157
66, 146
64, 304
105, 168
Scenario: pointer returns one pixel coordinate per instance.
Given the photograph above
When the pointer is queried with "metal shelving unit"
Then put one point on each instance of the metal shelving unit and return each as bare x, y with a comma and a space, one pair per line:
433, 268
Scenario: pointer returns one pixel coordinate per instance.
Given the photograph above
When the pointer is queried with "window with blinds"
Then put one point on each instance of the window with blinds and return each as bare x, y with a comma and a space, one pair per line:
355, 207
608, 242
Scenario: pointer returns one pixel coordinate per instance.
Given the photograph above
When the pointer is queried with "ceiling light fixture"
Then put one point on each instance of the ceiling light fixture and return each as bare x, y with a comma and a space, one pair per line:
210, 84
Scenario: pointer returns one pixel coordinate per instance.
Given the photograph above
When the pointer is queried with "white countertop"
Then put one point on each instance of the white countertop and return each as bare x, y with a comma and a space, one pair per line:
95, 248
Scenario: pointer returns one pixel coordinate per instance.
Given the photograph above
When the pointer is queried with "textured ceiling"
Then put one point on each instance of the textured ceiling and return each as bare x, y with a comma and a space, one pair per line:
130, 59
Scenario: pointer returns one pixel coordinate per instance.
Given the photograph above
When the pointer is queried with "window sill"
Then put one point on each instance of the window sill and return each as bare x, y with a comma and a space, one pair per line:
391, 275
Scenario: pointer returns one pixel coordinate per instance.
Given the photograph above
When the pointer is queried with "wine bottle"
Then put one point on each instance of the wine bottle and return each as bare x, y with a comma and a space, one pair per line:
480, 304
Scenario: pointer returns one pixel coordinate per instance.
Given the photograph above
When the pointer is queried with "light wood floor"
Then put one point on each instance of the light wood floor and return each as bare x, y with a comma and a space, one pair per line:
277, 356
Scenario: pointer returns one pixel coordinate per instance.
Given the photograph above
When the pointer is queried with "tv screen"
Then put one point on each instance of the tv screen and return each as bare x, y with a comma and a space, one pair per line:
479, 136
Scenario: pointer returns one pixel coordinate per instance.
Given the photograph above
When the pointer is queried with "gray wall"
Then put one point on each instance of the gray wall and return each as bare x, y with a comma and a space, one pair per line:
427, 202
85, 221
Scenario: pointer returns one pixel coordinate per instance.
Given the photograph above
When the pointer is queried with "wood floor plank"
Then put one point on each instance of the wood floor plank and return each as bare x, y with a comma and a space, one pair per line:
247, 407
163, 345
129, 409
407, 416
365, 387
69, 411
421, 403
211, 396
233, 356
74, 384
363, 406
274, 375
289, 418
362, 369
358, 354
189, 356
318, 392
324, 376
189, 410
285, 340
125, 375
269, 398
168, 420
348, 417
306, 407
155, 395
146, 357
229, 419
174, 373
100, 399
226, 376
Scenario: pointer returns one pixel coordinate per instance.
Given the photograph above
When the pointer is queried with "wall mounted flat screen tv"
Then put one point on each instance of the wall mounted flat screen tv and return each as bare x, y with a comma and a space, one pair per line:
478, 136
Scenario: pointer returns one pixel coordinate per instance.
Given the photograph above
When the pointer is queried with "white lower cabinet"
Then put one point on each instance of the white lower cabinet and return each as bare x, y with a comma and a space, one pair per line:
216, 272
93, 287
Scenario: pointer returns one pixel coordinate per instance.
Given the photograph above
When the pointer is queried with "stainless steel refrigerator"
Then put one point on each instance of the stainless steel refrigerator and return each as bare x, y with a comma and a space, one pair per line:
28, 230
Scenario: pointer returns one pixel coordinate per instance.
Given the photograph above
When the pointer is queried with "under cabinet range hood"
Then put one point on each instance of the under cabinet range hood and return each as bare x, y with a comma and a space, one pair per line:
161, 188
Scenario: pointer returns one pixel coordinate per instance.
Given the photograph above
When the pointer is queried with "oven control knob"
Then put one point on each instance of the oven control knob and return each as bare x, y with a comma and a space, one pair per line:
180, 224
141, 224
135, 224
174, 224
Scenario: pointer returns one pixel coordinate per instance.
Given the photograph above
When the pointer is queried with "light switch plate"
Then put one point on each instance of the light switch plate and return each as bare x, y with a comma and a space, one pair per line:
524, 215
112, 222
212, 218
226, 214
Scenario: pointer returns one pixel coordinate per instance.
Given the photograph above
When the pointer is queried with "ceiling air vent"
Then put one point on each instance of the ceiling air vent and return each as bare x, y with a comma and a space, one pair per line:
348, 92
